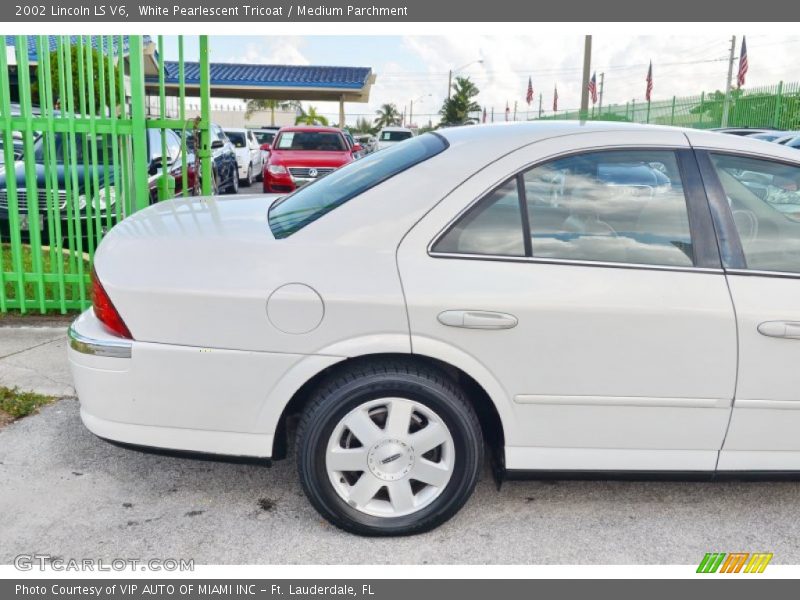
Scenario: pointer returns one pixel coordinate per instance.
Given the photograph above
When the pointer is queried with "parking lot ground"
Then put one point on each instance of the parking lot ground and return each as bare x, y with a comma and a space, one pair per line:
69, 494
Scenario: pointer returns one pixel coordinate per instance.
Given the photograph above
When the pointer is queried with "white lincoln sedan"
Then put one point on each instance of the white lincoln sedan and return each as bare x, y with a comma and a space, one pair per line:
570, 300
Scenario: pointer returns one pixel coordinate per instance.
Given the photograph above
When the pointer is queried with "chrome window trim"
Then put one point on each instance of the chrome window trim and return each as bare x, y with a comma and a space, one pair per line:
762, 273
576, 263
94, 347
564, 261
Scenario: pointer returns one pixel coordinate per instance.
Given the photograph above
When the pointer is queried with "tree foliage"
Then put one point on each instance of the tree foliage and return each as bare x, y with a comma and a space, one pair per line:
387, 115
256, 105
456, 110
98, 62
310, 117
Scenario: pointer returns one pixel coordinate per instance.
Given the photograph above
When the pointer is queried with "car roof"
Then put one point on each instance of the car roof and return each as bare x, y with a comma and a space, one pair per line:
317, 128
395, 128
236, 129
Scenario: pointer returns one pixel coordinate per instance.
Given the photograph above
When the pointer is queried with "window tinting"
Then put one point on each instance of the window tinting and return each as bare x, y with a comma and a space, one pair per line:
494, 227
313, 200
237, 138
311, 140
764, 197
395, 136
618, 206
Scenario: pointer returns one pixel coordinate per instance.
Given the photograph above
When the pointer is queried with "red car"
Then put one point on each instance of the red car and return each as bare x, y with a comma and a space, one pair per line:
301, 154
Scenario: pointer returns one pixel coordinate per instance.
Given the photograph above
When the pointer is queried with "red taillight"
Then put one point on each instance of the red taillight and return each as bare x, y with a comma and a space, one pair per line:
105, 310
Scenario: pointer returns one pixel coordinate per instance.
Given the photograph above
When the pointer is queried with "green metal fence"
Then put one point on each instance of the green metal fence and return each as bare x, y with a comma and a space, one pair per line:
77, 157
775, 107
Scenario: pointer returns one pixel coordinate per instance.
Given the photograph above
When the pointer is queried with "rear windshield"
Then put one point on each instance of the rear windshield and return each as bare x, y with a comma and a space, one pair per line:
395, 136
237, 138
314, 200
311, 140
264, 137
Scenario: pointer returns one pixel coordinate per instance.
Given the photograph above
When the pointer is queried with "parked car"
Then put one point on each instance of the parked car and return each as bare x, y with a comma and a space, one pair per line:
301, 154
248, 154
791, 135
86, 180
388, 136
743, 131
475, 287
223, 156
768, 136
793, 142
265, 137
368, 142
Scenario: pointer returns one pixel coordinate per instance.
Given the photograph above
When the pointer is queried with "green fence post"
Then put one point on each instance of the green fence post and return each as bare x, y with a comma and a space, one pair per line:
139, 134
205, 119
778, 99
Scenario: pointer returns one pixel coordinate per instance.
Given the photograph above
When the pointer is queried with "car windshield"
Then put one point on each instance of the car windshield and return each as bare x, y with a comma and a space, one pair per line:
312, 201
311, 140
264, 137
237, 138
395, 136
81, 144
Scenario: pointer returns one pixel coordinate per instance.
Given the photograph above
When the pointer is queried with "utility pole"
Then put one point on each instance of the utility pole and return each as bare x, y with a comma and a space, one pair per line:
449, 82
540, 105
587, 65
602, 82
726, 105
411, 113
515, 110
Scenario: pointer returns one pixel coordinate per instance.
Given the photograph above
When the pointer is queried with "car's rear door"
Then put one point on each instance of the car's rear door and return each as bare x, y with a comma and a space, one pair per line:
756, 202
606, 339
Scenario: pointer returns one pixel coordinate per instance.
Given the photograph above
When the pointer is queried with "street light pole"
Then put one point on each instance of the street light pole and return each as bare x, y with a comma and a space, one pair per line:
602, 82
450, 74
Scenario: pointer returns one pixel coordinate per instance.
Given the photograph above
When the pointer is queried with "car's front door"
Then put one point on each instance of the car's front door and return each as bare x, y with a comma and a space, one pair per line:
758, 202
584, 292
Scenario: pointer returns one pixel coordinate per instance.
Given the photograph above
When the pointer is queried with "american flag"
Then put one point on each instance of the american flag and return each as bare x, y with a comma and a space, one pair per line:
508, 110
529, 95
592, 87
649, 91
742, 64
555, 99
484, 114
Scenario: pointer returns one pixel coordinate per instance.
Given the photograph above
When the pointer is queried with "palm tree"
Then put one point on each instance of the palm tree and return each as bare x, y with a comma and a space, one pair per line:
310, 118
388, 115
256, 105
364, 126
456, 110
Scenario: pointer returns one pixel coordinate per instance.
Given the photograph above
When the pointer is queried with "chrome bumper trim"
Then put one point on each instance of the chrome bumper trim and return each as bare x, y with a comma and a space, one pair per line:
105, 348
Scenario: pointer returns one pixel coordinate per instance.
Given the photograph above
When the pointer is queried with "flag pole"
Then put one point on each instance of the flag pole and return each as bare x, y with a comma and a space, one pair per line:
515, 110
602, 81
540, 105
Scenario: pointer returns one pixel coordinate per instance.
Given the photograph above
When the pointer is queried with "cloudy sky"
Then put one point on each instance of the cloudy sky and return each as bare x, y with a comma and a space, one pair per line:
415, 67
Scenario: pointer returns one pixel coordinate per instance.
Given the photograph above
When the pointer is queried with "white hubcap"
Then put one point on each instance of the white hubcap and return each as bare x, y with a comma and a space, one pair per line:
390, 457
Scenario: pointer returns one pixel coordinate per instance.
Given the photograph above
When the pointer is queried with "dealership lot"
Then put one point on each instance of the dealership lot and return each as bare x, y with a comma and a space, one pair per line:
68, 494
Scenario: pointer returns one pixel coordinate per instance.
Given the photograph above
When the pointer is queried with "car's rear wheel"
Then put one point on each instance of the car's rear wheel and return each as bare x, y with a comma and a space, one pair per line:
248, 181
233, 187
389, 448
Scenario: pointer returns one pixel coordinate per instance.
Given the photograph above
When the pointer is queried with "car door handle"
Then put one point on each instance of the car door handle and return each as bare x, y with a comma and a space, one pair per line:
780, 329
477, 319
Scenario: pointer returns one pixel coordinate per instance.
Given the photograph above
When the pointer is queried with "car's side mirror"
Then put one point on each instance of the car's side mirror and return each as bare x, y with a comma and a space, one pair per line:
155, 165
357, 148
217, 144
266, 147
17, 155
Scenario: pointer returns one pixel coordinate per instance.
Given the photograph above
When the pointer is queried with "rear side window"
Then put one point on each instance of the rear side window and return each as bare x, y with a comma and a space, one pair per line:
614, 206
395, 136
764, 197
316, 199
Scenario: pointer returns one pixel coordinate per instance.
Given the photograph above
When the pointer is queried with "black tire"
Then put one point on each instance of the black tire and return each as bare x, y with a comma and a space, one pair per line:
233, 187
248, 181
381, 378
